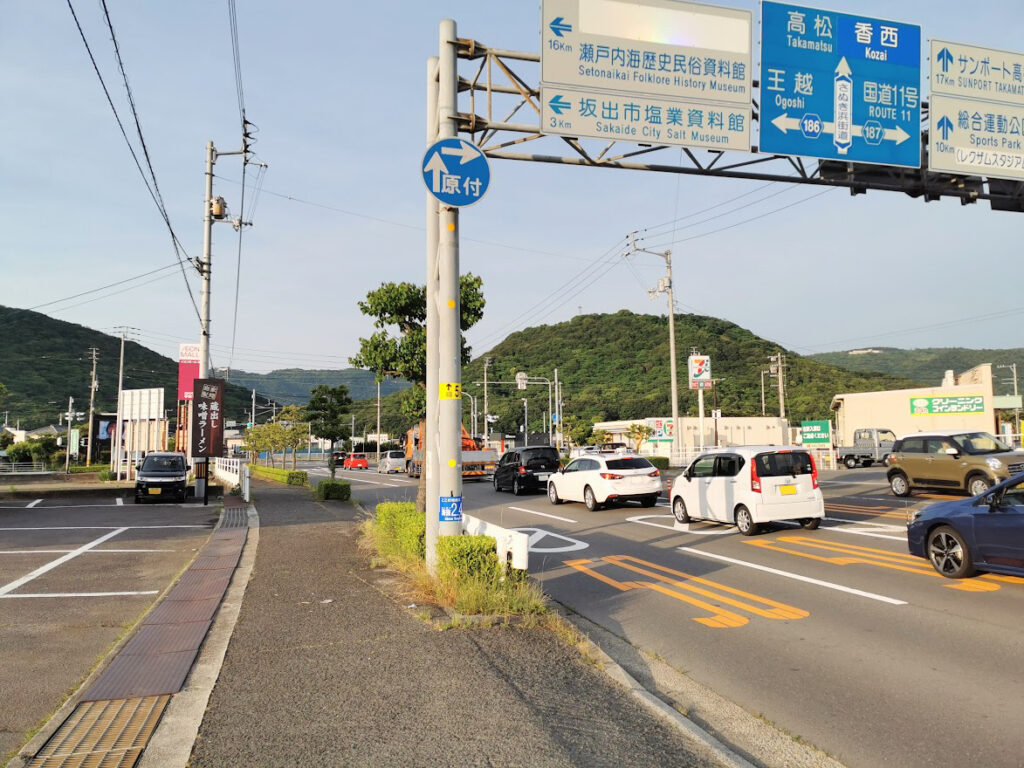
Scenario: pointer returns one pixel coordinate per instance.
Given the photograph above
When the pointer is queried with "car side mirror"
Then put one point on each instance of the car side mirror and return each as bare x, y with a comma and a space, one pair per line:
687, 474
138, 467
952, 452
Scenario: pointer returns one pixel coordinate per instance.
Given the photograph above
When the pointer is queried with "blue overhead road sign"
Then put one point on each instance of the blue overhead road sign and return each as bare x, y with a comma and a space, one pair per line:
456, 172
840, 86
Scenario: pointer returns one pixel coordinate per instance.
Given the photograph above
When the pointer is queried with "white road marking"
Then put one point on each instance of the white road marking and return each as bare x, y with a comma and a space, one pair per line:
33, 504
372, 482
91, 551
7, 588
80, 594
797, 577
643, 520
102, 527
120, 501
543, 514
539, 534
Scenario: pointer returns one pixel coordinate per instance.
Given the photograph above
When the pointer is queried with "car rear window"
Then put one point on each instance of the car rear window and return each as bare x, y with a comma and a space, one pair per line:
629, 462
164, 464
779, 464
538, 456
396, 455
358, 456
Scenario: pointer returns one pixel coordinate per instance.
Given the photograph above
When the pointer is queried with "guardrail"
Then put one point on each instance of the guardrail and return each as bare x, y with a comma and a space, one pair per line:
233, 472
513, 546
23, 468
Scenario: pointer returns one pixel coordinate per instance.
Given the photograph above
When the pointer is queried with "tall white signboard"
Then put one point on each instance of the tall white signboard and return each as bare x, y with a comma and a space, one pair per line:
646, 71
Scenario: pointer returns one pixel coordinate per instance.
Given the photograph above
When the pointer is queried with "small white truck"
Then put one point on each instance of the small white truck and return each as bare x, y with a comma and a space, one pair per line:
870, 445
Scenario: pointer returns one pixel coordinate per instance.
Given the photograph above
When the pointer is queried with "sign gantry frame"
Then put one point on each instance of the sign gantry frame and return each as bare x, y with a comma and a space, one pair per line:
497, 90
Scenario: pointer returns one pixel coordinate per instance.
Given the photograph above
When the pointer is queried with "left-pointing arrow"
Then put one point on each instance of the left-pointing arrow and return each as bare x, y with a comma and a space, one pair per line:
559, 26
435, 165
559, 104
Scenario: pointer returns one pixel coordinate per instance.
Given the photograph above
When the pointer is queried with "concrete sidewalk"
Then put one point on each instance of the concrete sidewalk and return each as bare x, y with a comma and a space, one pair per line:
326, 667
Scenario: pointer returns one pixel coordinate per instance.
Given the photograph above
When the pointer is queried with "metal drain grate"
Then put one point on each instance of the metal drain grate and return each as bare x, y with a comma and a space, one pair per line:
103, 734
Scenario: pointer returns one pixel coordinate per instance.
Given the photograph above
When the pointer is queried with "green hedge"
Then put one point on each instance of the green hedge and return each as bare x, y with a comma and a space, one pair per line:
95, 468
287, 476
461, 557
401, 530
661, 462
333, 489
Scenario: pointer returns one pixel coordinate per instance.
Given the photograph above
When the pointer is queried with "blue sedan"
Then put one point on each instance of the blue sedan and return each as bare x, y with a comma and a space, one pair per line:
963, 536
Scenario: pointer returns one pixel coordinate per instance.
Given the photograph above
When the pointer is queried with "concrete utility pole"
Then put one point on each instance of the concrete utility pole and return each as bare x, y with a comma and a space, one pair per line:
487, 424
92, 400
762, 392
428, 436
665, 286
526, 424
115, 450
449, 346
779, 363
67, 443
378, 421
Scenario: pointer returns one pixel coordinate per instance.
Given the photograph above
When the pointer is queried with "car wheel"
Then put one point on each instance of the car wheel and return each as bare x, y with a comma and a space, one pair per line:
949, 554
745, 522
679, 510
977, 485
553, 494
590, 500
497, 487
850, 462
648, 501
517, 488
866, 463
810, 523
899, 484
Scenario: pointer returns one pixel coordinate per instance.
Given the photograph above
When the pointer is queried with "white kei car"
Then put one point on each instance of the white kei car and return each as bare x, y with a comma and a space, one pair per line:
391, 461
749, 485
610, 478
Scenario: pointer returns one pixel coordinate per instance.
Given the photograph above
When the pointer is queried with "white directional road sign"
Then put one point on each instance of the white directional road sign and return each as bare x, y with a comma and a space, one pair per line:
646, 71
976, 122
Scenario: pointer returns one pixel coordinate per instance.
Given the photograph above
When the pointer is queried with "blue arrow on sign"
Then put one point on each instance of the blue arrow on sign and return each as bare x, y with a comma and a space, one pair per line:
559, 26
946, 126
559, 104
945, 59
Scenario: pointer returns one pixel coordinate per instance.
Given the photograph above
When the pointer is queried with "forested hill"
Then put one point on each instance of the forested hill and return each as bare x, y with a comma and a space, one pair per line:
43, 361
617, 367
928, 365
291, 386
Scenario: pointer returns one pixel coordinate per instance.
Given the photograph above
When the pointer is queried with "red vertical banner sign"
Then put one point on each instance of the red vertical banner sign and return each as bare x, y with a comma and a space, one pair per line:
207, 418
188, 369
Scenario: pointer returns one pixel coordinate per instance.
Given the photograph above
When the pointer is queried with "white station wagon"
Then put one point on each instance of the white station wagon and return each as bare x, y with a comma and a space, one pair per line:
749, 485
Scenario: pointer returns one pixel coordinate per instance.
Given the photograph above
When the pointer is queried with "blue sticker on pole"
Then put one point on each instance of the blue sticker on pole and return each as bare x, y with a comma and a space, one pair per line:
840, 86
456, 172
451, 509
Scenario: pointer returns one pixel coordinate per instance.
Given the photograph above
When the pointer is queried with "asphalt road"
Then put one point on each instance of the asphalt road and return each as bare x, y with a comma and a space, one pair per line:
837, 636
74, 576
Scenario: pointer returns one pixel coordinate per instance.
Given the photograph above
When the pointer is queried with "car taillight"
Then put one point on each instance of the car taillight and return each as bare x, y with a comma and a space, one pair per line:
755, 481
655, 473
611, 476
522, 470
814, 472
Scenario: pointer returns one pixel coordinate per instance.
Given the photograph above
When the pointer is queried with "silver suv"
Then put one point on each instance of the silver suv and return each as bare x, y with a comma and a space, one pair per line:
391, 461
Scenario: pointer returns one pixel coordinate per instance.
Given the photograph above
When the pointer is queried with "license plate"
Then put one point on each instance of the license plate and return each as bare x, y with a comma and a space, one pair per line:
154, 491
543, 475
787, 490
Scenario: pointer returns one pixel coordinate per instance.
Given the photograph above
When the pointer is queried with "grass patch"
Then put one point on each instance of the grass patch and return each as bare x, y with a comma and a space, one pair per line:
469, 580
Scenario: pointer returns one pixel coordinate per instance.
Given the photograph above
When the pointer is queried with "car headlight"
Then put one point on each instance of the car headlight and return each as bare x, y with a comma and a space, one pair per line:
912, 515
994, 463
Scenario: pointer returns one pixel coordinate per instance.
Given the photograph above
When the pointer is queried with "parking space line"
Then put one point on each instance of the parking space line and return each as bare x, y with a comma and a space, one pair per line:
33, 504
796, 577
542, 514
7, 588
80, 594
91, 551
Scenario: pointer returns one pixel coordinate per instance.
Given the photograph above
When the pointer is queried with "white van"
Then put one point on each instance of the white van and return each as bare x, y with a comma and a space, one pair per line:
391, 461
749, 485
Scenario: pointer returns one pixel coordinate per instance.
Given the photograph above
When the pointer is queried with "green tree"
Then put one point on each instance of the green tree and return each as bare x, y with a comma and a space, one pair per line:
399, 347
638, 432
598, 437
326, 409
293, 420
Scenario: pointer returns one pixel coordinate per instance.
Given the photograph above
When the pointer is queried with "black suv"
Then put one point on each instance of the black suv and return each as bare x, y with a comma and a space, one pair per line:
526, 469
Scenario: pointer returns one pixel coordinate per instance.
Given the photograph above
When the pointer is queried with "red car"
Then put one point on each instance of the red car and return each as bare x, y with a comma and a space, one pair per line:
356, 461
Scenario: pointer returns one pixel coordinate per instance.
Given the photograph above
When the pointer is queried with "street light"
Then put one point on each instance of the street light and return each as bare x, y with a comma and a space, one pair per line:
472, 411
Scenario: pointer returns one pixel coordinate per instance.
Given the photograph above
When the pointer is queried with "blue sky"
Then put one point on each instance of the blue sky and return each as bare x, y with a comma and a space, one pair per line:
336, 90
